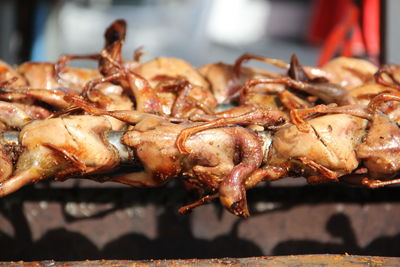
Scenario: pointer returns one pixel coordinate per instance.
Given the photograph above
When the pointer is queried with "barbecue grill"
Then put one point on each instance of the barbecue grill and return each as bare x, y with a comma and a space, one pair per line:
67, 223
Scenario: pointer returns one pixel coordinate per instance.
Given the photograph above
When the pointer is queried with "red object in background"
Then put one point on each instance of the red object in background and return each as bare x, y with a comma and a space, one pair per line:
324, 18
371, 26
346, 29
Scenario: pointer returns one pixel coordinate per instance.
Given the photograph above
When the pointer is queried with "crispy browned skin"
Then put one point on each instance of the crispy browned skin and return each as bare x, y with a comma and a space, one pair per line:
114, 38
224, 82
298, 89
322, 151
298, 81
380, 150
382, 143
349, 72
107, 96
42, 75
146, 82
386, 81
14, 116
37, 81
75, 145
219, 156
7, 73
49, 83
327, 92
218, 159
328, 147
170, 67
364, 93
6, 164
379, 146
330, 143
17, 115
163, 73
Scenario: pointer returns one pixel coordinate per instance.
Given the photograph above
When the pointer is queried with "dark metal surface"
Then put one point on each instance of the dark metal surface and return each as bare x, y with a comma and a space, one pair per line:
125, 153
294, 261
85, 220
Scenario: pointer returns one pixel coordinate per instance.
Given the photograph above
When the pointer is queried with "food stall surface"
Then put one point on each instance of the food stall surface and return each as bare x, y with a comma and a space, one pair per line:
296, 261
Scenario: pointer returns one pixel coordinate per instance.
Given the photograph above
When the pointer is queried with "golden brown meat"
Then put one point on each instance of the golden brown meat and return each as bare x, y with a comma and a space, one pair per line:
109, 97
163, 73
114, 70
74, 145
322, 151
16, 116
380, 150
41, 75
225, 82
349, 72
7, 73
300, 90
220, 159
330, 142
170, 67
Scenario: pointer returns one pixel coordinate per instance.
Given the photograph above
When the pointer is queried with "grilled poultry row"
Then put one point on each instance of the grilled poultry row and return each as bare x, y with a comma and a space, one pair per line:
335, 123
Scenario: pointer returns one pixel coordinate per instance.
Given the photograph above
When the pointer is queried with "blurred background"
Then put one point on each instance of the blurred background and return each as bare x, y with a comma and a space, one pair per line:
78, 220
199, 31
